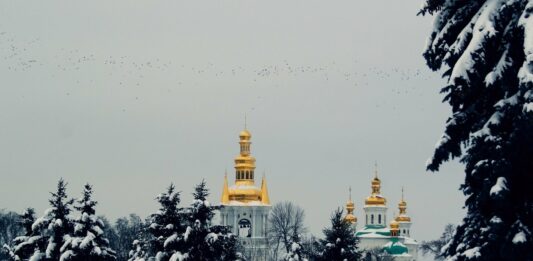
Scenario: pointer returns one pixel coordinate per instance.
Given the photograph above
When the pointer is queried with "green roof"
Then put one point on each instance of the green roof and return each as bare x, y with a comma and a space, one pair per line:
395, 247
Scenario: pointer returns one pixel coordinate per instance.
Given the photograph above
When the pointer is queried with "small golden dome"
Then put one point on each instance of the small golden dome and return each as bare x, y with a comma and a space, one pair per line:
350, 218
402, 206
394, 225
245, 135
403, 219
375, 198
350, 206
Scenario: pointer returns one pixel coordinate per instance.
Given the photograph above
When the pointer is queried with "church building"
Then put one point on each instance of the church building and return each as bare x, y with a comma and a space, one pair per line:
394, 239
245, 207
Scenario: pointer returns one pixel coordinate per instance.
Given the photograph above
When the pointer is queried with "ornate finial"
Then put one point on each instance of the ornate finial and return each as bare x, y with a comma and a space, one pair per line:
350, 190
402, 193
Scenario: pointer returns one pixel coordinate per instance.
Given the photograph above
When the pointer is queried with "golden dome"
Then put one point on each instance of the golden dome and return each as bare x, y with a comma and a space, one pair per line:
350, 206
402, 206
245, 135
244, 193
375, 198
394, 225
350, 218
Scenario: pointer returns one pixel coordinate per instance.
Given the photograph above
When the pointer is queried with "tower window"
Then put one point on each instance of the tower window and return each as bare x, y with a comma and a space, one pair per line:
372, 219
245, 228
379, 219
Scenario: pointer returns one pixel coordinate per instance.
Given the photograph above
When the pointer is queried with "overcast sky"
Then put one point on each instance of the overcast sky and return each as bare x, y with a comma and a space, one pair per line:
132, 95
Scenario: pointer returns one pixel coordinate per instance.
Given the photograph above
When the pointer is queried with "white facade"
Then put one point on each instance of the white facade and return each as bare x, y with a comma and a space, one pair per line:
375, 216
250, 224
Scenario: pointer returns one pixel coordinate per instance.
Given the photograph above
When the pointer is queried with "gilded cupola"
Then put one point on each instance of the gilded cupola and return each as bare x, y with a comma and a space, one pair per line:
375, 198
402, 206
350, 207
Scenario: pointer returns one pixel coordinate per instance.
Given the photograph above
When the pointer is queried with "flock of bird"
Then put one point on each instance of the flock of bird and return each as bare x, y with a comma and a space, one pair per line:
22, 57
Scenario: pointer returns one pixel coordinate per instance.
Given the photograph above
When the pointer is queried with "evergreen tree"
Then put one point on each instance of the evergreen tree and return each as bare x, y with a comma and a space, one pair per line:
139, 251
203, 241
25, 245
340, 242
51, 230
87, 242
166, 227
486, 48
296, 252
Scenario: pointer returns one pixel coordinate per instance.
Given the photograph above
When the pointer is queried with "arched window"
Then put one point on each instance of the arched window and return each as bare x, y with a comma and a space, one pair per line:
366, 219
379, 219
372, 219
245, 228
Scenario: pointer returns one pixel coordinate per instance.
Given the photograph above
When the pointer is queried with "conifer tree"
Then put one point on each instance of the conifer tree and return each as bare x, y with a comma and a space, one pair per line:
203, 241
87, 242
340, 242
296, 252
166, 227
24, 245
50, 231
486, 50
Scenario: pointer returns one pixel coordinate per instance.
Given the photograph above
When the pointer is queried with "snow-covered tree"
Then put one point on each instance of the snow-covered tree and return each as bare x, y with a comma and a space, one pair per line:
434, 247
51, 230
340, 242
296, 252
24, 245
87, 241
126, 230
203, 241
486, 50
139, 251
166, 228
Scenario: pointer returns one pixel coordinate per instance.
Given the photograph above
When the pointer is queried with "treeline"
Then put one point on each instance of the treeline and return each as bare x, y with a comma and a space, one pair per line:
71, 230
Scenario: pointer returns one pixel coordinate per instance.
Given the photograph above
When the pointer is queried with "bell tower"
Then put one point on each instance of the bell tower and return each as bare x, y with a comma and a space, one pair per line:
245, 206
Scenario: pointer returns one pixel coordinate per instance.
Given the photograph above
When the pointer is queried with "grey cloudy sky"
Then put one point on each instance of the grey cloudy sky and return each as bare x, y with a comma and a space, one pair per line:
133, 95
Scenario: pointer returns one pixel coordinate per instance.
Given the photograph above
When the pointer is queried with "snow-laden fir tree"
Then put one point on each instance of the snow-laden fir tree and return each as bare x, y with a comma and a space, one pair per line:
340, 242
51, 230
139, 251
296, 251
87, 243
486, 50
204, 241
24, 245
166, 228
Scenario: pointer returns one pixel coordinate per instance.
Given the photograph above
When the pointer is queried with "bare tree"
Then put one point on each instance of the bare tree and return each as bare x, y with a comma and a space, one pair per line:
286, 220
434, 246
